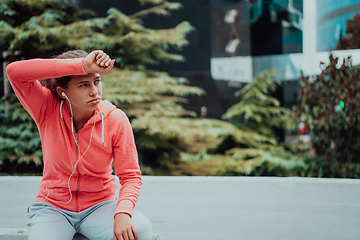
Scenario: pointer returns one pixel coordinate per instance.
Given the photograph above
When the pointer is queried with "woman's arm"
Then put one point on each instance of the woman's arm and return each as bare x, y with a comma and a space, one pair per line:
126, 165
128, 170
34, 97
23, 75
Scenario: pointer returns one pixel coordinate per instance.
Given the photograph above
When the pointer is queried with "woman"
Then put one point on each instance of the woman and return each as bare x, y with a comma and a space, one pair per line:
82, 136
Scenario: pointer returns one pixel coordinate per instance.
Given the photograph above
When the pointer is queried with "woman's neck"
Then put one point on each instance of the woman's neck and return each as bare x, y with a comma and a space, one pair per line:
80, 121
80, 118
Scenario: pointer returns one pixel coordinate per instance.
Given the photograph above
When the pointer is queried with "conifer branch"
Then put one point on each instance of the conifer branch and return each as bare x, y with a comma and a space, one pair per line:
164, 10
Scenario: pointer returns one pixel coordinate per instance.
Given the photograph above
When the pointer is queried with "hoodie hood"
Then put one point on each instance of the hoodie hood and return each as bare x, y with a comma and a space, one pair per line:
105, 107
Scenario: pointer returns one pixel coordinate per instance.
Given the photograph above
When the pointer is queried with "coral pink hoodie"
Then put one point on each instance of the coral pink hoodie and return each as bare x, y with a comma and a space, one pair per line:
111, 137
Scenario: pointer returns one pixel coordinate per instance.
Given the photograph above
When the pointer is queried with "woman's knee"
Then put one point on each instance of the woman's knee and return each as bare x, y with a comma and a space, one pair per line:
143, 225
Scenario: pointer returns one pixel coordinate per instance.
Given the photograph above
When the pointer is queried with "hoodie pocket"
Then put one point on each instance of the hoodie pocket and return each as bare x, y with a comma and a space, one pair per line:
55, 190
51, 184
91, 184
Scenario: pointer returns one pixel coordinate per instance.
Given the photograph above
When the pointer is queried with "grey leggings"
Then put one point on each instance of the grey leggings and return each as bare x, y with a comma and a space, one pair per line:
96, 222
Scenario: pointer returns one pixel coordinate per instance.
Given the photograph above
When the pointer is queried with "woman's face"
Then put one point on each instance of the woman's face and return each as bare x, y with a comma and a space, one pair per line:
84, 92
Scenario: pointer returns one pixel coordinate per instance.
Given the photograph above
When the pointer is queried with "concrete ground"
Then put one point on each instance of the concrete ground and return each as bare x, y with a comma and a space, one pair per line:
213, 208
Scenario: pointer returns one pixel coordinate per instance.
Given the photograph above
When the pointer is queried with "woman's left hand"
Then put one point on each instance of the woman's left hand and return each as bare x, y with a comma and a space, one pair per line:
124, 228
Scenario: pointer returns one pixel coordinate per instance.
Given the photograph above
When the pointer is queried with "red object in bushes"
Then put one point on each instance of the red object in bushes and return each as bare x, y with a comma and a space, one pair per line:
302, 128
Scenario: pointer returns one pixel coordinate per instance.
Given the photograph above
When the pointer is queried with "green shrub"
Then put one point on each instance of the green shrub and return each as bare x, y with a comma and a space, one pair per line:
331, 110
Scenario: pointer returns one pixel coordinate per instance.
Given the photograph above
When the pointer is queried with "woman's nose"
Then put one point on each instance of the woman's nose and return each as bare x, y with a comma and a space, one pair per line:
94, 91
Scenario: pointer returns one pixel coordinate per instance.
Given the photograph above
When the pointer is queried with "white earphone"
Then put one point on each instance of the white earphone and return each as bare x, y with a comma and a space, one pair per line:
71, 112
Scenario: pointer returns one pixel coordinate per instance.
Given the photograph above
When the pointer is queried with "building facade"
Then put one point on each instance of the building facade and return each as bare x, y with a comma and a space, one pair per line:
256, 27
331, 21
252, 36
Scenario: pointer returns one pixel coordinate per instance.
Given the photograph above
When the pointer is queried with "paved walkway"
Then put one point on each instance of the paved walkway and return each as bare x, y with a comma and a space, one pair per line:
213, 208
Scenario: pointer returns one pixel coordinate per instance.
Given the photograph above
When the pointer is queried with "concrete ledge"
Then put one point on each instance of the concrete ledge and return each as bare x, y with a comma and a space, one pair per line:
212, 208
22, 234
13, 233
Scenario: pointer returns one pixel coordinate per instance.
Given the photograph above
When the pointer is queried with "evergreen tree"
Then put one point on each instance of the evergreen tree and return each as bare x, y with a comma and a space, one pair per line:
19, 137
250, 147
36, 27
258, 111
40, 28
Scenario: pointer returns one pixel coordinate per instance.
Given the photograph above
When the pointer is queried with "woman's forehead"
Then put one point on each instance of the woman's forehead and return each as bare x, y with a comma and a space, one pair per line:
88, 77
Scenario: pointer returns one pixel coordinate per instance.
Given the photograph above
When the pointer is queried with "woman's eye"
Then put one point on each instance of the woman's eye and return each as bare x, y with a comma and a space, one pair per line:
83, 85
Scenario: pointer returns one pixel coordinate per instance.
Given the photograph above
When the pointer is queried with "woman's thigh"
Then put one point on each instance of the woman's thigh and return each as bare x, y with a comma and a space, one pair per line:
99, 222
47, 223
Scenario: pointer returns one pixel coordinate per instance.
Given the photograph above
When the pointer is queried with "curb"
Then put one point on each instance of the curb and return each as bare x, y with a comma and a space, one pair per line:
22, 234
13, 233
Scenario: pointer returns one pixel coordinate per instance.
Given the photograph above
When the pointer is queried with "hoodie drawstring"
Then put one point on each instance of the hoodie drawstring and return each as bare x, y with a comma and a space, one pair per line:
102, 128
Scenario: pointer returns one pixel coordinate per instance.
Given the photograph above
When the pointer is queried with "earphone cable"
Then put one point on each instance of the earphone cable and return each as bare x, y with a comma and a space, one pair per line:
48, 192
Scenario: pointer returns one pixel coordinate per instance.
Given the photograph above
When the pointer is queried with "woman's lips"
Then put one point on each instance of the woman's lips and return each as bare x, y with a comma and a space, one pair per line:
94, 101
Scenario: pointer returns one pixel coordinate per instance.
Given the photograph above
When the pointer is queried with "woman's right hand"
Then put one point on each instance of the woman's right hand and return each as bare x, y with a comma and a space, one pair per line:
97, 62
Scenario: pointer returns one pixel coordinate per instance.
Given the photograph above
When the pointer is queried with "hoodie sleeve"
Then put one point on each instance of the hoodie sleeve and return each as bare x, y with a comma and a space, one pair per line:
126, 167
23, 75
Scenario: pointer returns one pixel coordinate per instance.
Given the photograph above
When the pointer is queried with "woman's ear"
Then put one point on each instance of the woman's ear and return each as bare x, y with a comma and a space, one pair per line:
60, 92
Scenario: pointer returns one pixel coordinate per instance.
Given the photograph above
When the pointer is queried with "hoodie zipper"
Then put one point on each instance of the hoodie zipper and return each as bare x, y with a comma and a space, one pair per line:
102, 129
77, 169
77, 158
